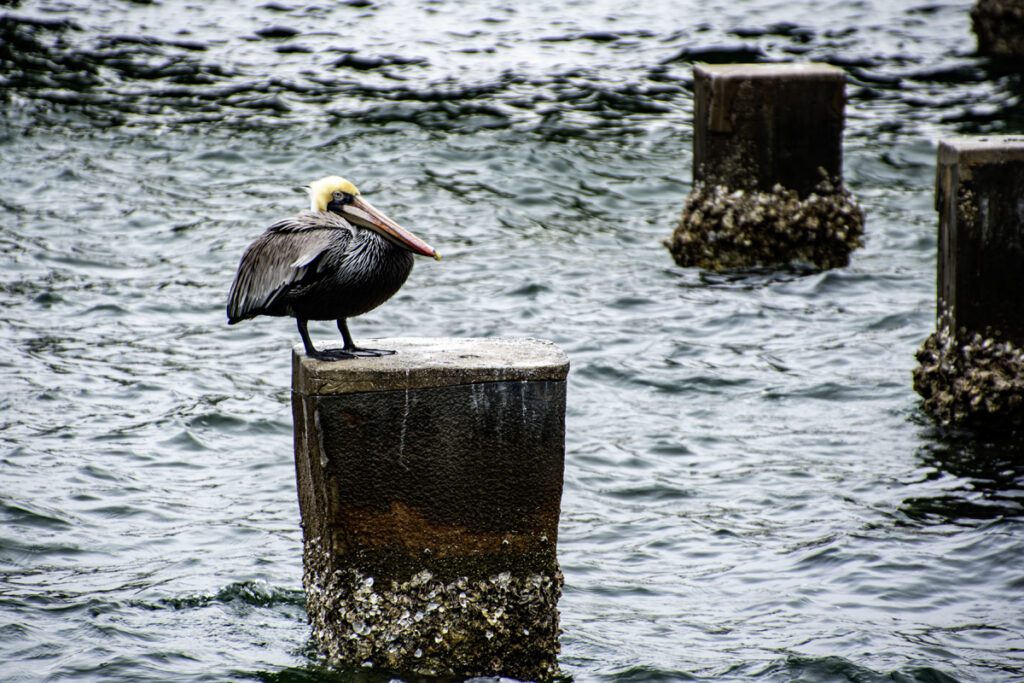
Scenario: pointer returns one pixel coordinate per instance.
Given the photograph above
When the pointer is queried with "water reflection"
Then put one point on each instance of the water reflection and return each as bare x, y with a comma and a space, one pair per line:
988, 469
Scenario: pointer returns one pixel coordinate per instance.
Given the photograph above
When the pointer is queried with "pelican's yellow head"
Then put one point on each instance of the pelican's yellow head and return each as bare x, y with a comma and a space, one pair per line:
341, 197
322, 191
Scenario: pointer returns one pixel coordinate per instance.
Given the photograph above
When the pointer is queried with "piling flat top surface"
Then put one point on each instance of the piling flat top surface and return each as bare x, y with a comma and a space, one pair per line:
429, 362
769, 71
981, 149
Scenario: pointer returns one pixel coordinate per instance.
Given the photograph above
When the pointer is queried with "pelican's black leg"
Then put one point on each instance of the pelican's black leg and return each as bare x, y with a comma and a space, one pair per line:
351, 347
330, 354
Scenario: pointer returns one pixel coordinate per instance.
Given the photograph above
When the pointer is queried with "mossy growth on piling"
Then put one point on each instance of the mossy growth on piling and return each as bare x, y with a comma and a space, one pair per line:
433, 623
723, 228
973, 383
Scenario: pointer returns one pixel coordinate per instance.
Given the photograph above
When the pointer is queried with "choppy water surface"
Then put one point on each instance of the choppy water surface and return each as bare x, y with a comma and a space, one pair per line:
752, 492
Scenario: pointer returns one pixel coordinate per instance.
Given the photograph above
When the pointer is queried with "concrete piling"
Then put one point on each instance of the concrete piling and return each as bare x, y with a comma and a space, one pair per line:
767, 169
999, 27
971, 368
430, 488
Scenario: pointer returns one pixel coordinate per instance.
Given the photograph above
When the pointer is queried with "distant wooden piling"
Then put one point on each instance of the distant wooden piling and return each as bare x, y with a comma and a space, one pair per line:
767, 169
971, 369
430, 487
758, 125
999, 27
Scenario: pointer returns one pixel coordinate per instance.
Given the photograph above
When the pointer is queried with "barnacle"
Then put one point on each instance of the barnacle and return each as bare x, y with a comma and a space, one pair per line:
504, 624
721, 228
971, 379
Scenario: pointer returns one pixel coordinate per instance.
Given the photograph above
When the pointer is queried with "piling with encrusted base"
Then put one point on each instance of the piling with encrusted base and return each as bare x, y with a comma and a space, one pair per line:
971, 368
999, 27
767, 170
430, 487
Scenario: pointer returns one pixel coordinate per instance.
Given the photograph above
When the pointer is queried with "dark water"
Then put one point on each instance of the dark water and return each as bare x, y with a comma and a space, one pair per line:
752, 492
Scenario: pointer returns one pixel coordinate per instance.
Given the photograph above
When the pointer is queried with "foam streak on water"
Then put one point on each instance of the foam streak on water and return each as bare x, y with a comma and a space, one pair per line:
752, 492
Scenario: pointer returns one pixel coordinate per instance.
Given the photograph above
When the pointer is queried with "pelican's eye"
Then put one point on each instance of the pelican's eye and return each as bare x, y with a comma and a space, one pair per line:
341, 197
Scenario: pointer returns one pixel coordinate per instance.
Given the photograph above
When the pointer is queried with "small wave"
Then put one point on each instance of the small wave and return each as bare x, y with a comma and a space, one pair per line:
354, 61
647, 674
254, 593
837, 669
719, 54
22, 515
781, 28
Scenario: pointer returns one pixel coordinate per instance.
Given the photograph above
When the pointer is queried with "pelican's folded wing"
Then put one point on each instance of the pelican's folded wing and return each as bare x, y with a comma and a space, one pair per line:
280, 258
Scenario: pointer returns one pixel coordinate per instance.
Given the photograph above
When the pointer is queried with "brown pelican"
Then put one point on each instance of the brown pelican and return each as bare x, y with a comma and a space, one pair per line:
340, 259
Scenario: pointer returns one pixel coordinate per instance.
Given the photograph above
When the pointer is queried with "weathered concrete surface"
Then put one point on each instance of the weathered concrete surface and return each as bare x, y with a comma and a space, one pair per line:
429, 362
972, 368
430, 488
767, 170
999, 27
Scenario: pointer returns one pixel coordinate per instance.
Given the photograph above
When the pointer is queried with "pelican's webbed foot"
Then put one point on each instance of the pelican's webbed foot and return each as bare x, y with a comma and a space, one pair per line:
370, 353
329, 354
350, 346
344, 353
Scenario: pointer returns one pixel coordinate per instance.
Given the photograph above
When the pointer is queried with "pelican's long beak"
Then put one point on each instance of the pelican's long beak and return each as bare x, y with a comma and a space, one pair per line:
362, 212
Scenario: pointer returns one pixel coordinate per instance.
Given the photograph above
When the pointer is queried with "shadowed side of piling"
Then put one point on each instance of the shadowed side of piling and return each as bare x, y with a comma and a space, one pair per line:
971, 368
767, 170
430, 488
999, 27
